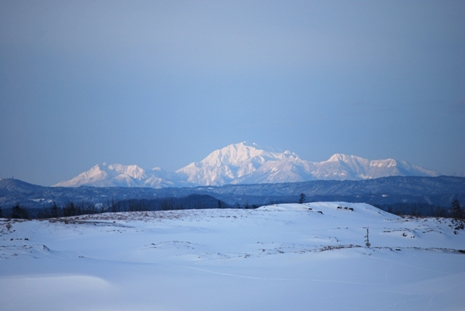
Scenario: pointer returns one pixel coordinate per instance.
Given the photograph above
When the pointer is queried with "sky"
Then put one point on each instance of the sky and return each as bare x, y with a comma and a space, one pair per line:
164, 83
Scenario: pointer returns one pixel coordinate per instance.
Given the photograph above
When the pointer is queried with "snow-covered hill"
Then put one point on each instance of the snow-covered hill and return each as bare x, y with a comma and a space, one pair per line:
299, 256
244, 163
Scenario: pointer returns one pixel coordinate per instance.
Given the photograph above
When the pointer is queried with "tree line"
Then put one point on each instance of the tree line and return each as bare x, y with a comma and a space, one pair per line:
67, 209
132, 205
202, 202
425, 209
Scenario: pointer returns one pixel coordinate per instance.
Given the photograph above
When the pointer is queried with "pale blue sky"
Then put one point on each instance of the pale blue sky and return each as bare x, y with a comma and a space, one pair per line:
164, 83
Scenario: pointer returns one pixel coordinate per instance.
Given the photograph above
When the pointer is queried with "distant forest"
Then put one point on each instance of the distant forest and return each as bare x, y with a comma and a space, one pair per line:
198, 201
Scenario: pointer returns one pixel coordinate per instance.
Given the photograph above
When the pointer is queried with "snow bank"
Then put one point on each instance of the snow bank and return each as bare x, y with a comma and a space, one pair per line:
303, 256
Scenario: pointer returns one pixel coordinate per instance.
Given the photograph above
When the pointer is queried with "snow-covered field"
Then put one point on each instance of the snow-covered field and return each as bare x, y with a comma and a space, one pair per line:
281, 257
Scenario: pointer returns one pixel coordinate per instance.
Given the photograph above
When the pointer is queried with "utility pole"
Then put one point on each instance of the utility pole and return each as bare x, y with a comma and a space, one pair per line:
367, 238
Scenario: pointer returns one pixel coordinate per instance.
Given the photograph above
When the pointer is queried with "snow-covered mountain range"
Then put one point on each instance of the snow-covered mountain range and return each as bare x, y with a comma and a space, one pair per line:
244, 163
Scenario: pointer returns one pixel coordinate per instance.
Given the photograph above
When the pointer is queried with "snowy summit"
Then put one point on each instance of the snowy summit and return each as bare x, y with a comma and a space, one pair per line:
244, 163
230, 163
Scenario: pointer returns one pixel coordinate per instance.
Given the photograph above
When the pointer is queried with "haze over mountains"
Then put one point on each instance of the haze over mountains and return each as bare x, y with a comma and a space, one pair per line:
244, 163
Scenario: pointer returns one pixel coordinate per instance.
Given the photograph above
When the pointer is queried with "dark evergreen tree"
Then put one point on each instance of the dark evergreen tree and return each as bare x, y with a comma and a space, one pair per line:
456, 210
19, 212
54, 211
69, 209
302, 198
16, 211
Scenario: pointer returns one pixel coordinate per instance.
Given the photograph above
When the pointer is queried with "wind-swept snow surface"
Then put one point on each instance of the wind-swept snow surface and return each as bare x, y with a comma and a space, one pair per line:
290, 256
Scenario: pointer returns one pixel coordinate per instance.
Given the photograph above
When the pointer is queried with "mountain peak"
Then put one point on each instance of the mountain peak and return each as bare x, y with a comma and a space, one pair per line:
340, 157
337, 157
230, 163
107, 175
234, 154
